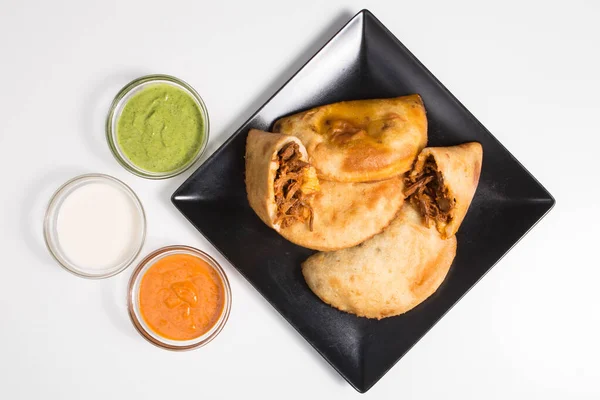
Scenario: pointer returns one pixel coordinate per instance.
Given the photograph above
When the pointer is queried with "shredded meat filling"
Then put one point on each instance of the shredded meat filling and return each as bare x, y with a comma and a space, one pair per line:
292, 204
427, 191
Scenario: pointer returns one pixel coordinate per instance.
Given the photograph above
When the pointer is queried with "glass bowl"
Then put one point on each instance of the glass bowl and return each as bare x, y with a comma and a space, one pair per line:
133, 303
119, 103
51, 236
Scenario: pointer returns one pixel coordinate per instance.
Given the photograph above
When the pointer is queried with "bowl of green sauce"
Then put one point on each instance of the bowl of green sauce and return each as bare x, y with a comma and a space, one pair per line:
157, 126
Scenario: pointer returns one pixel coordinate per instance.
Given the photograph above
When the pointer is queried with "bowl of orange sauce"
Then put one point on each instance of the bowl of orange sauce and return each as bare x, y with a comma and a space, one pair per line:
179, 298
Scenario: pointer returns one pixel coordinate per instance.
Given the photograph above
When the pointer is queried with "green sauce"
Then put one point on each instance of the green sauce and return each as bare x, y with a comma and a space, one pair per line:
161, 128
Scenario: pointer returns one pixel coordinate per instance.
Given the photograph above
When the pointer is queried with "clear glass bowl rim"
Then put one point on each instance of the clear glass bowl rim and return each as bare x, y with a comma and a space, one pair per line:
155, 339
49, 215
111, 135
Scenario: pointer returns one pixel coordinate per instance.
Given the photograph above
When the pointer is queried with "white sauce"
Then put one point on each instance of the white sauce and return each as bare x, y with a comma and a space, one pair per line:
98, 226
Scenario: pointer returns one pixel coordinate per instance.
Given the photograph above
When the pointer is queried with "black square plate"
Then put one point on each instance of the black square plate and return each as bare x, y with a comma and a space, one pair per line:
363, 60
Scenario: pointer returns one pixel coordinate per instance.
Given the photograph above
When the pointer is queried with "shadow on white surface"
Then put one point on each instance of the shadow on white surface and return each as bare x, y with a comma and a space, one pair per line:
95, 106
114, 303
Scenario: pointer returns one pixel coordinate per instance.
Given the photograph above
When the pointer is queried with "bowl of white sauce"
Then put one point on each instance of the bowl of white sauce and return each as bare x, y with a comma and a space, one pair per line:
95, 226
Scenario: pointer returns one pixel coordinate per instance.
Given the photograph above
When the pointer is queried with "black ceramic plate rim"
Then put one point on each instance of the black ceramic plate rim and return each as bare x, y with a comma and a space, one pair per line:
458, 104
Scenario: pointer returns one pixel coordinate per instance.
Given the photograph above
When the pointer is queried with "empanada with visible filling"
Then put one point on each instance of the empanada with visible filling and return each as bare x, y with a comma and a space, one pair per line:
442, 184
285, 193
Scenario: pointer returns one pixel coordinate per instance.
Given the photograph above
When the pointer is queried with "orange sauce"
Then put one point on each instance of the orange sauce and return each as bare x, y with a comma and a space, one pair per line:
181, 297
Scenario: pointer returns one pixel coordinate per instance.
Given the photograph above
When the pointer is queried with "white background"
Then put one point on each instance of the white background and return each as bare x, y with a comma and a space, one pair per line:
528, 70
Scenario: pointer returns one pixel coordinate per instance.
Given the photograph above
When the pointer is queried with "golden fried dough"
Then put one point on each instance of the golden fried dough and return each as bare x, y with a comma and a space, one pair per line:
346, 214
387, 275
321, 215
361, 140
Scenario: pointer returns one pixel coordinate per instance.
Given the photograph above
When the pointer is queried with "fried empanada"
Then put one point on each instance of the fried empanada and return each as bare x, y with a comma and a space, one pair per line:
442, 184
387, 275
285, 193
361, 140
